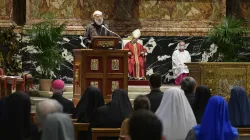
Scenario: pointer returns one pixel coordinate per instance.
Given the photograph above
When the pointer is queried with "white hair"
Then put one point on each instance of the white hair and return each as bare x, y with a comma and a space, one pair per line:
57, 90
46, 107
97, 13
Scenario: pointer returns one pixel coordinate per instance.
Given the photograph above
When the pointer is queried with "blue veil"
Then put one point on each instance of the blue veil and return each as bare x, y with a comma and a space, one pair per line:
215, 124
239, 108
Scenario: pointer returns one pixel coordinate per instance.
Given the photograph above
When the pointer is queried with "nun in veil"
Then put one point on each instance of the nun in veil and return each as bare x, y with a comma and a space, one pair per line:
239, 108
202, 96
215, 124
175, 114
58, 126
92, 99
112, 114
15, 122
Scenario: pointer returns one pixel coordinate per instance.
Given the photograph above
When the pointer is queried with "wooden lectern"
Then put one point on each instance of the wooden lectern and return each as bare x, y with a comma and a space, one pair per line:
102, 68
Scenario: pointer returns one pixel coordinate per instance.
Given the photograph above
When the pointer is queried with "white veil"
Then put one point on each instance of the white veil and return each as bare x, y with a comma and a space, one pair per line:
176, 114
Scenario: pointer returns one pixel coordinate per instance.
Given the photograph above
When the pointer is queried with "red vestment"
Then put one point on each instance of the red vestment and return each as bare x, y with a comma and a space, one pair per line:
136, 60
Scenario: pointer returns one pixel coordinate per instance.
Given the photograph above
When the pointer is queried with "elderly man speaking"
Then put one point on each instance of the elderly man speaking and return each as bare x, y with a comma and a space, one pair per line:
96, 27
179, 57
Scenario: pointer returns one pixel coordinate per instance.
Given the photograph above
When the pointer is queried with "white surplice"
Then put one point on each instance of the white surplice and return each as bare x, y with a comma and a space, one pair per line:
176, 114
178, 60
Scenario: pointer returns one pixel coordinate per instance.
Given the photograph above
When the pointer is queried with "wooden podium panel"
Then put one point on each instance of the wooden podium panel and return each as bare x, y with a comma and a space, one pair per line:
221, 77
104, 69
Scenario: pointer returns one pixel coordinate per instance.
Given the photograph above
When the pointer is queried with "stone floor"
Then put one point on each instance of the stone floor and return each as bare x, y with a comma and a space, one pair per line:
133, 92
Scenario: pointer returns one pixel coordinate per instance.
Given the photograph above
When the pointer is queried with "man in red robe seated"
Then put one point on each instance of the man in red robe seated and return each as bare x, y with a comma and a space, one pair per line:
136, 57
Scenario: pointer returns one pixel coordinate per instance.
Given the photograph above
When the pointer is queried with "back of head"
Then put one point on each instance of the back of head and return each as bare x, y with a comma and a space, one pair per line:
57, 86
91, 99
46, 107
202, 95
58, 126
141, 102
15, 116
155, 80
239, 108
215, 122
121, 103
188, 85
144, 125
176, 114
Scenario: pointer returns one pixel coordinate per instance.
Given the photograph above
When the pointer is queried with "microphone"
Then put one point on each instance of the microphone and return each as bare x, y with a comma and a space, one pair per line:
113, 33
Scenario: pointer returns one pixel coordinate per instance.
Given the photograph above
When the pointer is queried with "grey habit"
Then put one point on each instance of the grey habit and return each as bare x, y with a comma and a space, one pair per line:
58, 126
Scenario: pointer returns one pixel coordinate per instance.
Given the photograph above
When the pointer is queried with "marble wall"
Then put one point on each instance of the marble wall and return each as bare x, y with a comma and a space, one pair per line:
245, 9
153, 17
159, 58
163, 24
6, 8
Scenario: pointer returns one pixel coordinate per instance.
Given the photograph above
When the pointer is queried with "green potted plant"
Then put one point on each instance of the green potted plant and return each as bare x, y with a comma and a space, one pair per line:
44, 36
229, 36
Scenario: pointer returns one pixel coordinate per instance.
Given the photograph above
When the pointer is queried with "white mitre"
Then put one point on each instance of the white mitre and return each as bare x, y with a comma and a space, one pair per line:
136, 33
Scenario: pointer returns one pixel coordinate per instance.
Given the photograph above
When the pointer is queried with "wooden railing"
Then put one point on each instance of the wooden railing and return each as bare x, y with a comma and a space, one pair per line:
105, 132
80, 127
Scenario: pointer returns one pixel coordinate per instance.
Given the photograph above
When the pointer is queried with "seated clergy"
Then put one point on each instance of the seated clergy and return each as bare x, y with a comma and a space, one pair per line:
136, 57
239, 107
179, 57
43, 109
215, 124
145, 125
57, 89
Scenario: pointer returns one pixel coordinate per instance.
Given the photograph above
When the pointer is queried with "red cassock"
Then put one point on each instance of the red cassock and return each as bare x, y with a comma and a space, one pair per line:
136, 59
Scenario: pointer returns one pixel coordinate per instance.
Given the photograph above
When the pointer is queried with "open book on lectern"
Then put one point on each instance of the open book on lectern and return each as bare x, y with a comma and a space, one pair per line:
104, 42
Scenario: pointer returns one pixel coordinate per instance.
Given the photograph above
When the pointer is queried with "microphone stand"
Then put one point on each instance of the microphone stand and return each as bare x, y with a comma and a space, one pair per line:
115, 34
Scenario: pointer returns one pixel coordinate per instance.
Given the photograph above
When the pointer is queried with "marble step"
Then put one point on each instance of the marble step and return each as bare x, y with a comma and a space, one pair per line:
48, 94
133, 92
36, 100
69, 88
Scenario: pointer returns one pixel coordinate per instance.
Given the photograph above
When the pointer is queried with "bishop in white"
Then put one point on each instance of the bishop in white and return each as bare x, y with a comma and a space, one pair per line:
179, 57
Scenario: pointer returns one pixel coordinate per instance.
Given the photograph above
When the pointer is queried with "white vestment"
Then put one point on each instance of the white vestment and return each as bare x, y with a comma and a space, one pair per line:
176, 114
178, 60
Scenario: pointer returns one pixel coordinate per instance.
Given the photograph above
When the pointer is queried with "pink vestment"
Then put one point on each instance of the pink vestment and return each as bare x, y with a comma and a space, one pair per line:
179, 78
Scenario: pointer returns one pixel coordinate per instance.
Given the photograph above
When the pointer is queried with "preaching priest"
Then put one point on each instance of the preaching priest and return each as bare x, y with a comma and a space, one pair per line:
179, 57
96, 27
136, 57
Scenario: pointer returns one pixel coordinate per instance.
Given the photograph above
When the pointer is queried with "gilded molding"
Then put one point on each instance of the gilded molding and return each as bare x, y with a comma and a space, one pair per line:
222, 77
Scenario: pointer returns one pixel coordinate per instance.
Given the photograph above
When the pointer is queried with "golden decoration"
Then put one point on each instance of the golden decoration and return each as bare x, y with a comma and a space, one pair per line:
114, 85
115, 64
94, 84
94, 64
221, 77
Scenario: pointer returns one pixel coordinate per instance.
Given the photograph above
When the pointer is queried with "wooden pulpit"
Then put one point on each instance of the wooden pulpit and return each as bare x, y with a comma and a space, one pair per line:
102, 68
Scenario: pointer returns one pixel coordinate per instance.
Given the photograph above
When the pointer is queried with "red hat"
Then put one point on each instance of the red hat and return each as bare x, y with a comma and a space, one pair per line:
58, 84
